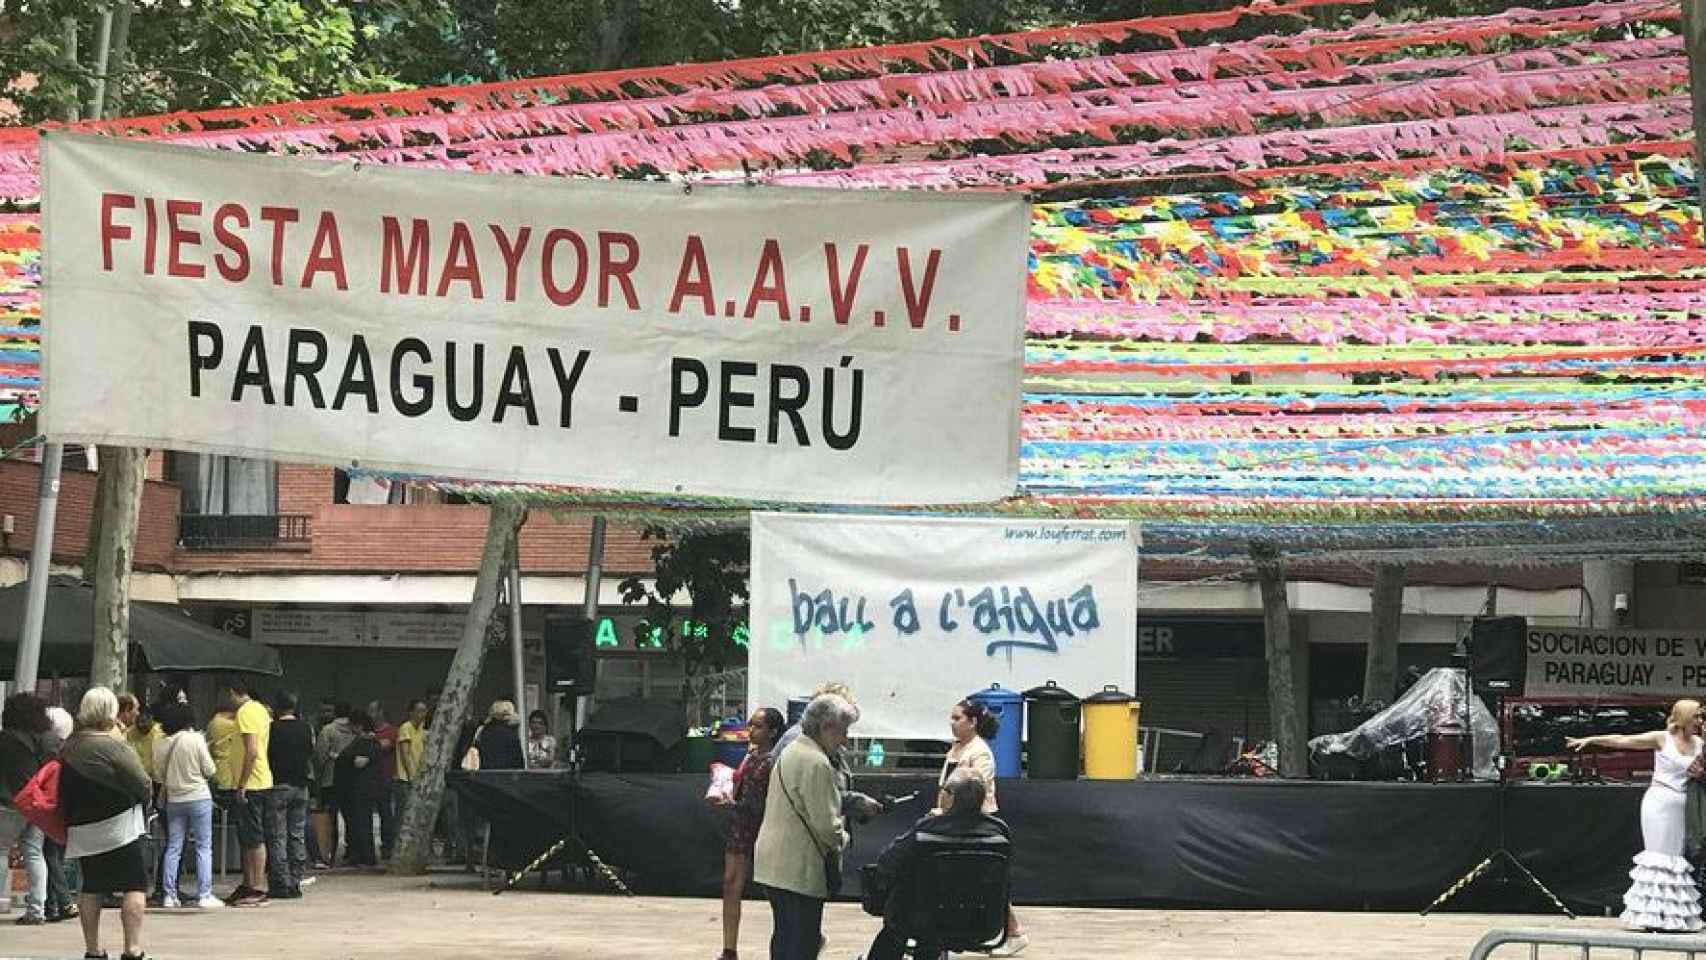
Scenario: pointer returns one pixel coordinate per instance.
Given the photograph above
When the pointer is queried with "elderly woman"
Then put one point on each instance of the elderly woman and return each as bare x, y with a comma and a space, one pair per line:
499, 738
802, 826
102, 787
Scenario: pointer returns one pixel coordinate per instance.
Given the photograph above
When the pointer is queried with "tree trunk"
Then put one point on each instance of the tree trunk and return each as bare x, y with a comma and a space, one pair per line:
118, 503
1282, 681
1380, 678
414, 842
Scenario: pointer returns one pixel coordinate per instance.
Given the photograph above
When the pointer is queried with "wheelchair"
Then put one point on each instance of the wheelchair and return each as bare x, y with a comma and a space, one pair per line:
958, 895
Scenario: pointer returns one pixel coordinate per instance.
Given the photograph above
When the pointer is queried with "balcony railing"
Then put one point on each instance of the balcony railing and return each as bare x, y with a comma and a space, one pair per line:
242, 531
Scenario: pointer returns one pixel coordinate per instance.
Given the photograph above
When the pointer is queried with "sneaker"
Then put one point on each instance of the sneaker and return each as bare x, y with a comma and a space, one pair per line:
30, 920
210, 903
243, 890
307, 881
247, 897
171, 903
1013, 947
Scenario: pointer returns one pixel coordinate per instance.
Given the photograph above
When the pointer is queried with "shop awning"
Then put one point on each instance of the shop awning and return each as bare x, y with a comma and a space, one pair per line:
164, 634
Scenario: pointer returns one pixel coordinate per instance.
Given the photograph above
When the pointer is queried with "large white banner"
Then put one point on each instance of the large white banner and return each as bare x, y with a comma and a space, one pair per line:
1591, 663
914, 614
801, 345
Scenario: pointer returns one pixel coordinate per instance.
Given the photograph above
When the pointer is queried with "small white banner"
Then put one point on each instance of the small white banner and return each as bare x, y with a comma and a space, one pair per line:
913, 614
1589, 663
787, 344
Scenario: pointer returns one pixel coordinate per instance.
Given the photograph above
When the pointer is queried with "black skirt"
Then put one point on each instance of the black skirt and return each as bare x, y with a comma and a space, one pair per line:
124, 870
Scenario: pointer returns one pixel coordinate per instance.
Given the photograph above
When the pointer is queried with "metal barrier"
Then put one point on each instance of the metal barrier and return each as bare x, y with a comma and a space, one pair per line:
1626, 942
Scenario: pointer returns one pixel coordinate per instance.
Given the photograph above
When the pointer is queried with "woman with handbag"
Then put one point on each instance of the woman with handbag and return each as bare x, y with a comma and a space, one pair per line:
798, 854
102, 787
184, 765
498, 741
751, 790
26, 742
359, 788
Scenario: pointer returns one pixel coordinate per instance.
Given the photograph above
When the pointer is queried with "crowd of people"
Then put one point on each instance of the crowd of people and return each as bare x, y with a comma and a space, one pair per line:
793, 804
140, 781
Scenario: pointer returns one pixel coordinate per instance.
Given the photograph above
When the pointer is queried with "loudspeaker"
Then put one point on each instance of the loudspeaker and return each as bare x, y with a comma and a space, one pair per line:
1498, 659
569, 664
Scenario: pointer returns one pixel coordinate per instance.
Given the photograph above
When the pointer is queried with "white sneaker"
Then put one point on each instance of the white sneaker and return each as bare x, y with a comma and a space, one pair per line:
171, 903
1013, 947
308, 881
210, 903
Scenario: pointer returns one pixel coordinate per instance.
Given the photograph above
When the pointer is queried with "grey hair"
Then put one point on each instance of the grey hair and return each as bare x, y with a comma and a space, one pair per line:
98, 709
825, 712
965, 791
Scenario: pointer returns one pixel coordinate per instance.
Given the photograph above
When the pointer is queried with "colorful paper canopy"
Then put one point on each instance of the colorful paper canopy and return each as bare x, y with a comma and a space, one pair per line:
1376, 274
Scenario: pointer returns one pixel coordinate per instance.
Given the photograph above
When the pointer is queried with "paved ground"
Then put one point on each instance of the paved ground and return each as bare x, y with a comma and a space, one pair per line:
449, 917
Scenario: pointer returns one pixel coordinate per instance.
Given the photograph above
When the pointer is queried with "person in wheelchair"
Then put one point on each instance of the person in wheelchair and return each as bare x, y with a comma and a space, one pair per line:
943, 883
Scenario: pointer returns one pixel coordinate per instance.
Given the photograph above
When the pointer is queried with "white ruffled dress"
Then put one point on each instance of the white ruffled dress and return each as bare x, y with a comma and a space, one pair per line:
1663, 895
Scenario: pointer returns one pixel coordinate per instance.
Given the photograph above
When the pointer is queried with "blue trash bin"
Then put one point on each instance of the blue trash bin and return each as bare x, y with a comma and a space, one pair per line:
731, 741
1008, 706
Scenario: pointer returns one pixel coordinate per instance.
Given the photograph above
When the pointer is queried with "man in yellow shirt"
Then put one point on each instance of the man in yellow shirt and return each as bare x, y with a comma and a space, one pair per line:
226, 748
140, 731
257, 826
411, 745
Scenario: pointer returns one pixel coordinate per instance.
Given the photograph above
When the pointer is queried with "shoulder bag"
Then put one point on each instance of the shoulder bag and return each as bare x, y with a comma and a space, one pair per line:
160, 795
831, 857
471, 759
38, 801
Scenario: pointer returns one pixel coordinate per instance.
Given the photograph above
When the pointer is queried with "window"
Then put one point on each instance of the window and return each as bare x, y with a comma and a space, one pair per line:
368, 490
225, 486
231, 503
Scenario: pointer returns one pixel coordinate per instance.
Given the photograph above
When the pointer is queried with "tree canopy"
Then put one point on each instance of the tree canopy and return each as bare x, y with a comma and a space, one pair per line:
201, 54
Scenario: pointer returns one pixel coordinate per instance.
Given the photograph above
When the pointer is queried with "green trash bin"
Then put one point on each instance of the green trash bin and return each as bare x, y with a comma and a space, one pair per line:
697, 754
1051, 720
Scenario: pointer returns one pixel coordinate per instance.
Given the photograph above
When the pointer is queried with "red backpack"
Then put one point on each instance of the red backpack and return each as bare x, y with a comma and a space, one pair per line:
38, 801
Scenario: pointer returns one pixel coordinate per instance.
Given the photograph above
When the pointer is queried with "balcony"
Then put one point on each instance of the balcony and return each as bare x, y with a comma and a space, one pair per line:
244, 531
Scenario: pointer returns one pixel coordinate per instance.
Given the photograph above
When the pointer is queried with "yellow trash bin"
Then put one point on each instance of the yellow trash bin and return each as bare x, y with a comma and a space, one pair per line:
1110, 735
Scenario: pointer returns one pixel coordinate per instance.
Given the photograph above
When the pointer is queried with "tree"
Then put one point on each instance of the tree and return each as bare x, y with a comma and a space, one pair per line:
414, 843
785, 26
711, 569
1386, 603
190, 55
463, 41
1283, 682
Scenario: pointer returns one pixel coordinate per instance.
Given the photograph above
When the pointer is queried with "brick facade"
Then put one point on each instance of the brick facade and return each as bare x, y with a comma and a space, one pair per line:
448, 538
20, 482
424, 538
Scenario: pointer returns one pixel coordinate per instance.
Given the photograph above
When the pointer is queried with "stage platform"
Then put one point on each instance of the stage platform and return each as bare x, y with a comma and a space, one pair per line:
1222, 843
